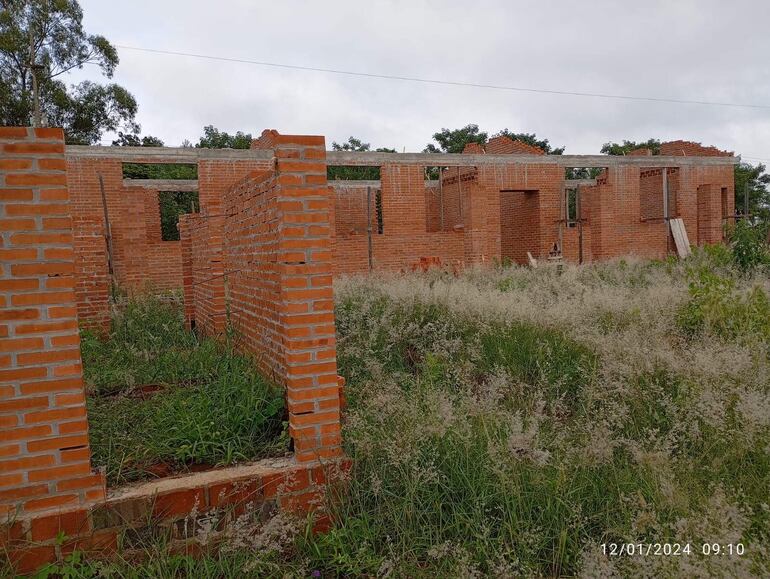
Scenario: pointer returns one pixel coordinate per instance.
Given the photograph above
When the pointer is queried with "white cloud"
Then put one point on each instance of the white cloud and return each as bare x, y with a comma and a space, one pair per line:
684, 49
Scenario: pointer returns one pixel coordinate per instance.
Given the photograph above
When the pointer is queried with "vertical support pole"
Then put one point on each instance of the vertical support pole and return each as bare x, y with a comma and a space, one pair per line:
579, 219
369, 224
563, 218
441, 197
107, 228
460, 193
666, 217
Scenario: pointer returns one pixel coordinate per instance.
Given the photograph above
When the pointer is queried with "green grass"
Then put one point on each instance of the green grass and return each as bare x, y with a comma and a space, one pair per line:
508, 422
210, 408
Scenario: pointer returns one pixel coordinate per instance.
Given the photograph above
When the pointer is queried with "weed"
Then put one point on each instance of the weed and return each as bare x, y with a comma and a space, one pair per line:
211, 407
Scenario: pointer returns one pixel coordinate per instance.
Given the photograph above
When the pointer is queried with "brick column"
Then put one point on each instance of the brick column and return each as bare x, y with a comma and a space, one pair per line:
44, 448
185, 242
307, 302
709, 215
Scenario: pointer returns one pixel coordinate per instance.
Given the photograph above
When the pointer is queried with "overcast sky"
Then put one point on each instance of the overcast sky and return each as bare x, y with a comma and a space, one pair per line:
680, 49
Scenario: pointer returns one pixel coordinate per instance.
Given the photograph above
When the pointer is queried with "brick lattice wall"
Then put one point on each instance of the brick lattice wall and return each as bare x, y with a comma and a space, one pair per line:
44, 439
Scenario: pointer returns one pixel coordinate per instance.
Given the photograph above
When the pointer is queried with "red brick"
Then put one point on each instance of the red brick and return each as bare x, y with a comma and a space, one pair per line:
15, 194
179, 503
48, 527
59, 472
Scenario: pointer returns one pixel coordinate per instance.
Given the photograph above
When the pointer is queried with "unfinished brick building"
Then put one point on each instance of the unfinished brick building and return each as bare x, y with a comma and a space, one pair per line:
268, 235
270, 220
501, 201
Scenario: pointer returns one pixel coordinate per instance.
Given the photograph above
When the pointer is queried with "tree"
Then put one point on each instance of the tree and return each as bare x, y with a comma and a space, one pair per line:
41, 40
531, 139
628, 146
754, 181
129, 140
355, 173
454, 140
213, 138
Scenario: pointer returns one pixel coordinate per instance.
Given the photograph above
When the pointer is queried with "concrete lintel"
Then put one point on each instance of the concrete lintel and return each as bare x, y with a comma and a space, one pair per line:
355, 183
572, 183
374, 159
374, 184
162, 184
165, 154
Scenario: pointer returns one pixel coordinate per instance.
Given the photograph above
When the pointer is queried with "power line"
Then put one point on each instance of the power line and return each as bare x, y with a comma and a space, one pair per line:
444, 82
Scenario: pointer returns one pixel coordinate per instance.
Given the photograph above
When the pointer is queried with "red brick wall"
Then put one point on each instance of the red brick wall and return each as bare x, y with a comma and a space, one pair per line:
92, 280
479, 223
350, 208
541, 205
519, 225
44, 440
411, 223
142, 260
204, 289
286, 227
626, 213
276, 257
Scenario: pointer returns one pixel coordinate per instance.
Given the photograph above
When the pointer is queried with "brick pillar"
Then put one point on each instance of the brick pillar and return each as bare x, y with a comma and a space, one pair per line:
44, 444
306, 309
483, 215
185, 242
709, 215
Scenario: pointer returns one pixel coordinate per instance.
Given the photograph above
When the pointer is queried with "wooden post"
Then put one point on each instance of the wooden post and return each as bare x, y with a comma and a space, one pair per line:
441, 197
369, 224
579, 219
664, 174
107, 228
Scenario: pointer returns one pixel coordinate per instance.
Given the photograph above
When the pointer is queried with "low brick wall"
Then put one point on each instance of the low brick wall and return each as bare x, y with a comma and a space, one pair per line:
193, 512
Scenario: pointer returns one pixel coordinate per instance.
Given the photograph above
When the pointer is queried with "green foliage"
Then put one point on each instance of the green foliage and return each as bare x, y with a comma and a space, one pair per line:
403, 336
715, 307
213, 138
130, 140
59, 44
454, 140
172, 205
147, 344
749, 245
752, 180
207, 404
582, 172
355, 173
487, 443
628, 146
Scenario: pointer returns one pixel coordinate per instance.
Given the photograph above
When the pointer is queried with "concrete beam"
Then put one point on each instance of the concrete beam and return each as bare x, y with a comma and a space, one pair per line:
374, 184
162, 184
572, 183
165, 154
374, 159
354, 183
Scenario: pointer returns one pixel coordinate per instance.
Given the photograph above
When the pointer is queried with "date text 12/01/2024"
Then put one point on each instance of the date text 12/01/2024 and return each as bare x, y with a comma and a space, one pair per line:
671, 549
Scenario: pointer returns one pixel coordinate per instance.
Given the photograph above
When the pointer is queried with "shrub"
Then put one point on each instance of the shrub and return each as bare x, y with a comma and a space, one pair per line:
749, 245
717, 308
